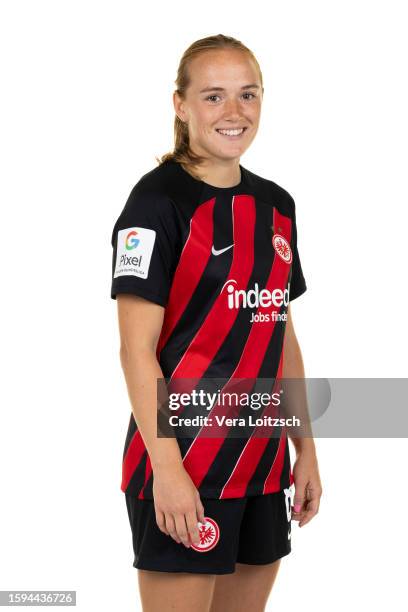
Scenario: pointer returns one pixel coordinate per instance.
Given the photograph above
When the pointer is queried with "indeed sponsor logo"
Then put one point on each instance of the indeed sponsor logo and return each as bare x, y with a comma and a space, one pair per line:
253, 298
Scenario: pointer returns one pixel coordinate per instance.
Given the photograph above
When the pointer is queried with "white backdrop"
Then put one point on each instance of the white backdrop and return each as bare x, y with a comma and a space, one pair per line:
86, 106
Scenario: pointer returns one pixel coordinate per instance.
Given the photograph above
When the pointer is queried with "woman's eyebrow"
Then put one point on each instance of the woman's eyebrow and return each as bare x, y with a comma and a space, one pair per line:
253, 85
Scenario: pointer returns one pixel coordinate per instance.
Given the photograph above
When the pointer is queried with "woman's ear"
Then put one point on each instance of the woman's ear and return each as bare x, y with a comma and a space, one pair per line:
178, 106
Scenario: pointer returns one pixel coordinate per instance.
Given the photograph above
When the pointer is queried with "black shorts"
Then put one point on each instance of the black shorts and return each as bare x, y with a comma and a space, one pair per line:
253, 530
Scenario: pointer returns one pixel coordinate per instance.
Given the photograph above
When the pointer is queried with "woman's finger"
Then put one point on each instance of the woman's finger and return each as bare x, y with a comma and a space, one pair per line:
171, 527
161, 523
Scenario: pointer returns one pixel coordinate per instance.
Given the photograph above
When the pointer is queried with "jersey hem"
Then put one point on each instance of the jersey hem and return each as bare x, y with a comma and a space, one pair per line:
212, 494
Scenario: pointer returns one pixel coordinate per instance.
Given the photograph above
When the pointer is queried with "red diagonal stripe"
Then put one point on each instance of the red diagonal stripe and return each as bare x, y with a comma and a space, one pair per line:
252, 453
272, 482
132, 459
193, 260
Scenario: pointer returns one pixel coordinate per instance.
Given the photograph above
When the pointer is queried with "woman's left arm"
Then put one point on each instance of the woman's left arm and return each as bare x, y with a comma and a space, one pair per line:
308, 488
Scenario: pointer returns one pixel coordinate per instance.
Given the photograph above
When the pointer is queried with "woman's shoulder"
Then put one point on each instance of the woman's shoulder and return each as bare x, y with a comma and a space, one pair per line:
269, 190
153, 191
149, 203
155, 182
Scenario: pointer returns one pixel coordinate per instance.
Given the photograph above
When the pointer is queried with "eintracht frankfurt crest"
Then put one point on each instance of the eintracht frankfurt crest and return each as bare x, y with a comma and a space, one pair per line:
209, 535
282, 247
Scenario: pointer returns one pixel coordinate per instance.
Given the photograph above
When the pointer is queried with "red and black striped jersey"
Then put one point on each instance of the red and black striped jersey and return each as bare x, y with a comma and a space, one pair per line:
224, 264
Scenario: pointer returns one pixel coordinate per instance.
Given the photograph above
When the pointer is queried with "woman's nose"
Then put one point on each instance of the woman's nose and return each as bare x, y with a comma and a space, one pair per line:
232, 109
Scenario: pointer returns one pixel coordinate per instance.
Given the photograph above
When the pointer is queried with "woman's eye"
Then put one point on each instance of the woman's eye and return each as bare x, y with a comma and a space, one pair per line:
212, 96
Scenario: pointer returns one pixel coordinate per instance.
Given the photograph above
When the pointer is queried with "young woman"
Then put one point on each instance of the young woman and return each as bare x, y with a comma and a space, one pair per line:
205, 262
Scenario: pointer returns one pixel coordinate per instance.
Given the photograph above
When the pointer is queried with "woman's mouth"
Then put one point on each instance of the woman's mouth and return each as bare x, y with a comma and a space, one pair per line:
232, 134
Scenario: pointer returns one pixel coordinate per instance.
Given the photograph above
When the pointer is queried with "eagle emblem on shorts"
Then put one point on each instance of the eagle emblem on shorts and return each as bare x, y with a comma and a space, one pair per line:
209, 533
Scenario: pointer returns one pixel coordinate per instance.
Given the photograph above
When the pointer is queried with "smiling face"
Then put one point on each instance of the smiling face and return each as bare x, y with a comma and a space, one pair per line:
225, 93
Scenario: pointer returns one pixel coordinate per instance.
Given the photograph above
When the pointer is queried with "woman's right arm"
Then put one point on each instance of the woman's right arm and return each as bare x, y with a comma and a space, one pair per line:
177, 502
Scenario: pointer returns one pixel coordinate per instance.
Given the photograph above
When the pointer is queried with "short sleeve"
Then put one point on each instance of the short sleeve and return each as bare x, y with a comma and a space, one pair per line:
297, 280
145, 241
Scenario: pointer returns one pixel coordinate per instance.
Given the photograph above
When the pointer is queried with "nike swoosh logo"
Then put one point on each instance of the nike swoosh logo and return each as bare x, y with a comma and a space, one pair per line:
215, 252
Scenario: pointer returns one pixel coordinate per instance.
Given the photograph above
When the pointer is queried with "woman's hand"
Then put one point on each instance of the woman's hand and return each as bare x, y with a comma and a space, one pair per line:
177, 504
308, 488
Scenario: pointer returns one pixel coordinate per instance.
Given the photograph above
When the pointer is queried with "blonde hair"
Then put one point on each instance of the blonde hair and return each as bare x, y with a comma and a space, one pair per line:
182, 152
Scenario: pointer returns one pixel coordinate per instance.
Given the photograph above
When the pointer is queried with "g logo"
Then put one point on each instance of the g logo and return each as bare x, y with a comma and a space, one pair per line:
131, 241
